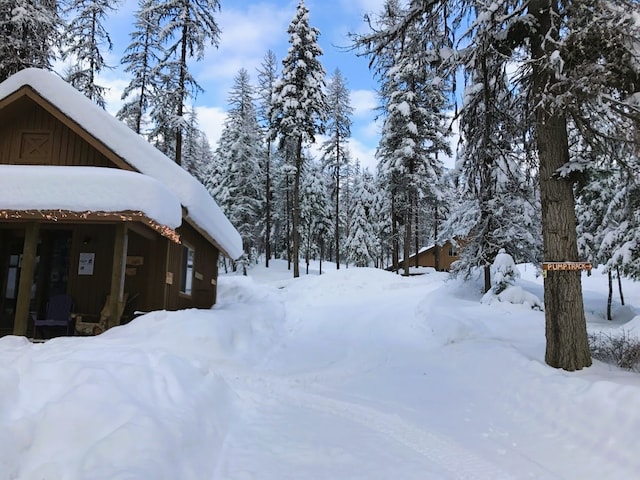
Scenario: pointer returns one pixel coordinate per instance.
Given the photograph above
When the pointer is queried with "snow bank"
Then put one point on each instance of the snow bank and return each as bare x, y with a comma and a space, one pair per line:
515, 295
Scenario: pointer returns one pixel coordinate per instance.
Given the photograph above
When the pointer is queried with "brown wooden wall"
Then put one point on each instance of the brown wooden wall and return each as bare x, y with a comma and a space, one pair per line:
145, 282
205, 266
89, 292
32, 136
428, 258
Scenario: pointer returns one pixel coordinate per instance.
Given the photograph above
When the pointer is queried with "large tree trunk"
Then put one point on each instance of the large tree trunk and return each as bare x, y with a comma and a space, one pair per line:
296, 209
566, 329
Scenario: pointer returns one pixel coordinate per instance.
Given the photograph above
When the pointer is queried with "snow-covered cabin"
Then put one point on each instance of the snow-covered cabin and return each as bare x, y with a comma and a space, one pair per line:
91, 209
426, 257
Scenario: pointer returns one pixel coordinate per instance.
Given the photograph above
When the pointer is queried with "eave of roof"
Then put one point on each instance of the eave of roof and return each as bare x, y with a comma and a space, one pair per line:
202, 209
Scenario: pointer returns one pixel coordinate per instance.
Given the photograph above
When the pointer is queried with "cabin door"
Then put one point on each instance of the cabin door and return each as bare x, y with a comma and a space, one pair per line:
50, 276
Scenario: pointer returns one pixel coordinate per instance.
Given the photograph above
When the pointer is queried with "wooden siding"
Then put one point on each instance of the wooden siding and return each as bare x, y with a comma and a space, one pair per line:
89, 292
145, 274
35, 137
427, 258
205, 272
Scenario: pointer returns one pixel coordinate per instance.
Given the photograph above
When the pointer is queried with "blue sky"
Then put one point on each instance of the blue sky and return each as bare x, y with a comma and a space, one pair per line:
249, 29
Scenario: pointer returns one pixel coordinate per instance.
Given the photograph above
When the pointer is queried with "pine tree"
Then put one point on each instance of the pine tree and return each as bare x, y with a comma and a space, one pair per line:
361, 241
85, 40
299, 104
413, 133
497, 207
28, 35
197, 153
239, 153
316, 222
140, 60
338, 129
186, 27
267, 77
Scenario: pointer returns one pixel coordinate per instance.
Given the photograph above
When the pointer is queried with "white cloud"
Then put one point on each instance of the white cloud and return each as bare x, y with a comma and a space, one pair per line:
364, 102
211, 121
246, 36
365, 154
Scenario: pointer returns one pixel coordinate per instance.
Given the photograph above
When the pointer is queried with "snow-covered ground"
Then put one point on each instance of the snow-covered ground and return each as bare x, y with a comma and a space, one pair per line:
354, 374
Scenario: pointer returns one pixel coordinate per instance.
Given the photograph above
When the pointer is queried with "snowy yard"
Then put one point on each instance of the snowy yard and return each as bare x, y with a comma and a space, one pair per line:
355, 374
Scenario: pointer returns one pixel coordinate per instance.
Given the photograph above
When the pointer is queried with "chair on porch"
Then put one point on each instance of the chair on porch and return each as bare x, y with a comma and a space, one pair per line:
58, 314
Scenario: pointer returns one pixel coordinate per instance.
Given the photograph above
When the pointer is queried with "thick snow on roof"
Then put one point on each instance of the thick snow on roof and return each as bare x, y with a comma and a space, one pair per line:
80, 189
134, 149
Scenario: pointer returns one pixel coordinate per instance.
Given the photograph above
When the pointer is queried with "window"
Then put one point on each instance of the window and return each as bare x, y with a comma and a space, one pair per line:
453, 250
188, 256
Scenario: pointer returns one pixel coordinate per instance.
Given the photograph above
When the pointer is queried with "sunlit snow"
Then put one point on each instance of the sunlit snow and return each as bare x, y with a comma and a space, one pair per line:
353, 374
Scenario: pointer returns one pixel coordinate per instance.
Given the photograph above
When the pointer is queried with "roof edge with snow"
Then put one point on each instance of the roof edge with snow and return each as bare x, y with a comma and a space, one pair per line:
202, 209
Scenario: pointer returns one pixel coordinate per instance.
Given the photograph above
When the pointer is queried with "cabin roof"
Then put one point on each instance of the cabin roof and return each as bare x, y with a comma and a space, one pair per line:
87, 189
200, 208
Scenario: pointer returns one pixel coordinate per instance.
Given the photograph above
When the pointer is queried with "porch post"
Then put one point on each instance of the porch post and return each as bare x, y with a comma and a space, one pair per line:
26, 279
116, 297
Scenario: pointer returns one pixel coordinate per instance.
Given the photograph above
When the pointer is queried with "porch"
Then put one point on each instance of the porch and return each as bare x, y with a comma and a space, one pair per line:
102, 266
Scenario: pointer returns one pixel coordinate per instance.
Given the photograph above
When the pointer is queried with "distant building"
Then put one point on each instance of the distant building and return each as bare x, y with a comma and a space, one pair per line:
426, 257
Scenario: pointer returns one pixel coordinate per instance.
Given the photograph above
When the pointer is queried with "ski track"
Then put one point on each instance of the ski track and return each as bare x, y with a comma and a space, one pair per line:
437, 449
260, 388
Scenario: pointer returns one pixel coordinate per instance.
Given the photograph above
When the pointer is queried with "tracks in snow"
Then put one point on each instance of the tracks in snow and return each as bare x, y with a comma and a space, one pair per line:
435, 449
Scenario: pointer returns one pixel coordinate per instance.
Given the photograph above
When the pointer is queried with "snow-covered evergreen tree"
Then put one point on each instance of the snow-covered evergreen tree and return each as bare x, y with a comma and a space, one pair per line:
316, 219
504, 271
413, 133
299, 106
239, 186
497, 206
85, 41
140, 60
267, 77
335, 148
361, 241
197, 153
29, 33
187, 26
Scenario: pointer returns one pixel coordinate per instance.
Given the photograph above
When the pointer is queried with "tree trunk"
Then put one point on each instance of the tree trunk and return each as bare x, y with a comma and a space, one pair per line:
566, 329
487, 278
267, 232
620, 286
416, 240
407, 238
395, 235
288, 225
337, 211
436, 248
296, 209
610, 297
181, 88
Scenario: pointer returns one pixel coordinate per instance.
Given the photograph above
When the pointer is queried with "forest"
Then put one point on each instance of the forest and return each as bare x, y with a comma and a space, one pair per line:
546, 93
